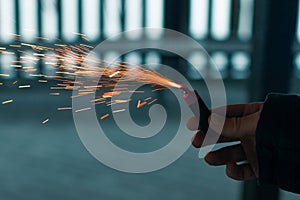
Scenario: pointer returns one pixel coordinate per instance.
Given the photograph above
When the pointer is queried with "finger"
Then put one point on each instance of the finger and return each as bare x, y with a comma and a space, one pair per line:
193, 124
224, 155
239, 172
200, 137
234, 127
239, 110
249, 144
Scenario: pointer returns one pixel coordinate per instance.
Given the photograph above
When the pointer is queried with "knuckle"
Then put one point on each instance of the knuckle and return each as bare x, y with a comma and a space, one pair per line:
237, 124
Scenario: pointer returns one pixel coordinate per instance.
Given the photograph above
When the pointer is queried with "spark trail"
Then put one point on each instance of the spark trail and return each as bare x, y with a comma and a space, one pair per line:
71, 61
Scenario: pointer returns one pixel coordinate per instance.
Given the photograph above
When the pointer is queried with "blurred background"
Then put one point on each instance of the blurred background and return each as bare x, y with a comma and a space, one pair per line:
255, 45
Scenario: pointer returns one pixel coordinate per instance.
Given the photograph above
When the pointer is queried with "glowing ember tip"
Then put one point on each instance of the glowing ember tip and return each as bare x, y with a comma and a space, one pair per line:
184, 88
175, 85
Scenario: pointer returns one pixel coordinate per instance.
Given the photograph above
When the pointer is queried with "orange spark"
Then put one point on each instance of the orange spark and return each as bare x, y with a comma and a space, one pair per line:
104, 116
110, 94
143, 103
151, 102
138, 104
173, 84
112, 75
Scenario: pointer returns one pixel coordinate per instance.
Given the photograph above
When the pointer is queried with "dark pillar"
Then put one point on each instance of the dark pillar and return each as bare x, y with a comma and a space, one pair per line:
59, 19
235, 14
40, 8
177, 15
17, 30
176, 18
274, 34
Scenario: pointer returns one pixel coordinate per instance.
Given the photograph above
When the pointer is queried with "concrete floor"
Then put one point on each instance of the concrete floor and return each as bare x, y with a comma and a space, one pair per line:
48, 161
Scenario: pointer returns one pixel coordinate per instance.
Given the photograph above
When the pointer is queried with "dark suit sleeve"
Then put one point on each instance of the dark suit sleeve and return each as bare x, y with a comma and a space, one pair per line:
278, 142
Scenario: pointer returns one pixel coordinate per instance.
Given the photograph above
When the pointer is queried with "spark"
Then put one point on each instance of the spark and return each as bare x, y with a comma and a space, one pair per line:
7, 52
83, 109
43, 38
14, 45
80, 34
138, 104
24, 86
104, 116
60, 45
16, 66
173, 84
39, 54
7, 102
117, 111
37, 75
45, 121
97, 99
110, 94
57, 88
88, 46
97, 86
69, 62
64, 108
54, 93
42, 81
136, 91
121, 100
16, 35
151, 102
114, 74
157, 89
142, 104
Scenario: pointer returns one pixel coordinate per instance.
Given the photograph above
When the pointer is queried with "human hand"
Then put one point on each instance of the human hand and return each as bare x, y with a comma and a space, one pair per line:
240, 125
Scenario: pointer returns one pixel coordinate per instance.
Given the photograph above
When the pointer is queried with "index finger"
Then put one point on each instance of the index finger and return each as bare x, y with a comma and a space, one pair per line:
238, 110
235, 110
